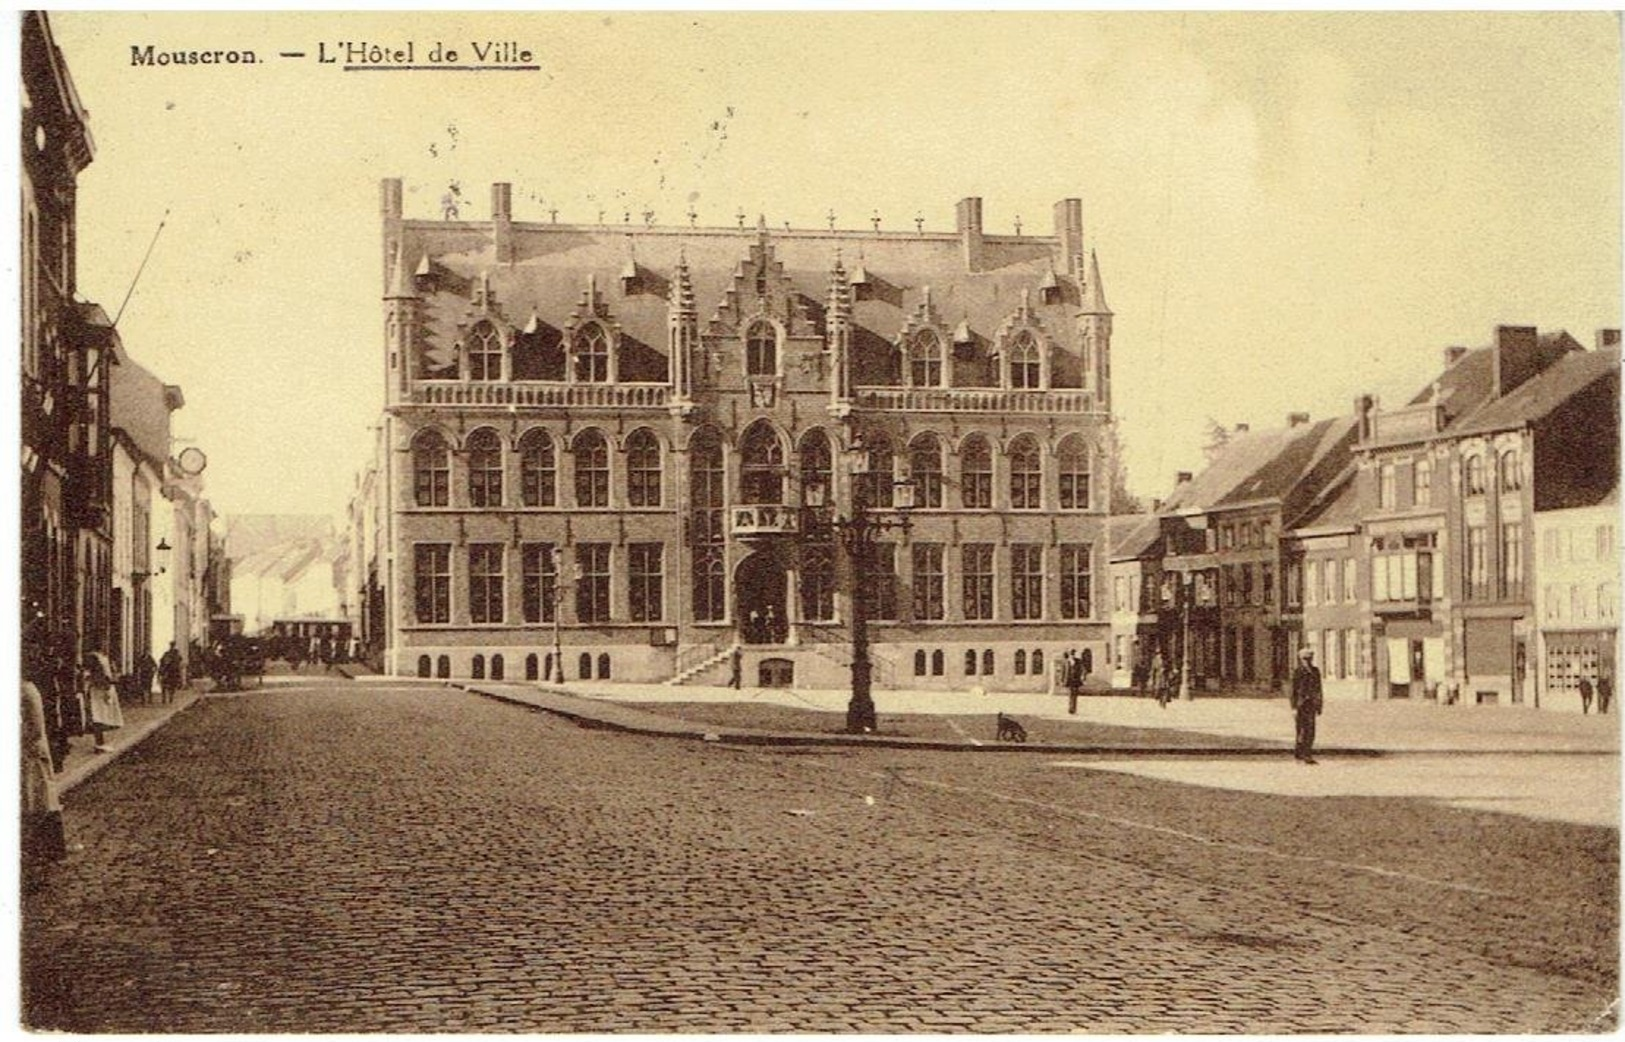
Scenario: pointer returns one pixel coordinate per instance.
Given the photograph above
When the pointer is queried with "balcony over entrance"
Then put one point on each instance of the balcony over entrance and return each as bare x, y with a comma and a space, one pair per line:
765, 520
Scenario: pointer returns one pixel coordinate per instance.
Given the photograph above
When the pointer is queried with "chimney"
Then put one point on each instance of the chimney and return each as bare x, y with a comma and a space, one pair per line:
1453, 354
1069, 230
1296, 419
1515, 359
389, 198
1182, 478
502, 221
969, 220
1363, 407
1607, 338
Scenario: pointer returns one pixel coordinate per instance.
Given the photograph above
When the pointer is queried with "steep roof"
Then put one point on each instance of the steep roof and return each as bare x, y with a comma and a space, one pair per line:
1467, 385
141, 404
1264, 465
899, 272
285, 562
1335, 506
1540, 394
1132, 536
248, 534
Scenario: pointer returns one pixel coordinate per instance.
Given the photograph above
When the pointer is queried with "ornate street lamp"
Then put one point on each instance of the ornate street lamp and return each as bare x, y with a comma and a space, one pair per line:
857, 534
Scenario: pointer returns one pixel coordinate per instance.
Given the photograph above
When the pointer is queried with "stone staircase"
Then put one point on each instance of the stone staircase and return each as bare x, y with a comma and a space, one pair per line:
697, 660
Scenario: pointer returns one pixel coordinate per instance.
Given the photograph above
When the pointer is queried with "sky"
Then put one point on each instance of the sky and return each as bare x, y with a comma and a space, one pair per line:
1289, 209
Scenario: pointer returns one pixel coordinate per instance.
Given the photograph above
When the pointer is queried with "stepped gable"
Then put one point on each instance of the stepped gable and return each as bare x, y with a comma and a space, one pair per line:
553, 263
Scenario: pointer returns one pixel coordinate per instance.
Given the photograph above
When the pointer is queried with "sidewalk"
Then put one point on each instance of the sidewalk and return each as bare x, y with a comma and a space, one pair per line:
1346, 728
140, 721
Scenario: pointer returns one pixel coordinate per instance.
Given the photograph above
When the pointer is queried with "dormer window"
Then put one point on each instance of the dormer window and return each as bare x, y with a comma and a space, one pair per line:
1049, 291
925, 360
762, 350
1024, 363
484, 353
591, 355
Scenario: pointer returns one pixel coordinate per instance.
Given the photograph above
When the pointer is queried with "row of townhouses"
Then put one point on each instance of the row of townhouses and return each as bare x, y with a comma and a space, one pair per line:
1462, 545
626, 451
118, 552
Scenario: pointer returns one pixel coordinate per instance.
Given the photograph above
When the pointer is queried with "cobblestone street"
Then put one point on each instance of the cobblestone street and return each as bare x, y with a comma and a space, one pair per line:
333, 857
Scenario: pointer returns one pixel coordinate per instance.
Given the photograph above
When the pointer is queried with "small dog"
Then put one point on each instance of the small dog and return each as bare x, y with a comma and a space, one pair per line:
1010, 730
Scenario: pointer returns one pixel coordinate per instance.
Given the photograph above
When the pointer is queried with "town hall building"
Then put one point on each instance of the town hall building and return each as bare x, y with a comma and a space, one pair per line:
621, 451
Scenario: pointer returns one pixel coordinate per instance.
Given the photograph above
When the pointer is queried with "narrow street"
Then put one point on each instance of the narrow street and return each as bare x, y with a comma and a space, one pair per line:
330, 857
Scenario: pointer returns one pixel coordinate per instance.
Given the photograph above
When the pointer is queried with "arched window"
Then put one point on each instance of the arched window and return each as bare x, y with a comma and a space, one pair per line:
976, 474
876, 485
970, 662
815, 465
442, 667
592, 469
1026, 475
642, 469
484, 468
591, 354
1474, 475
1038, 662
484, 353
1073, 463
424, 666
431, 470
987, 661
538, 474
496, 667
603, 666
1511, 473
710, 587
1021, 662
925, 467
919, 663
818, 581
762, 349
936, 663
532, 672
477, 667
1025, 371
761, 466
925, 360
1088, 661
584, 666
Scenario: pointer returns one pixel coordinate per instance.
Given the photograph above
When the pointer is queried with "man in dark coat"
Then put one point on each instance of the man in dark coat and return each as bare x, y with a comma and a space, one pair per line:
1307, 700
1605, 691
1585, 695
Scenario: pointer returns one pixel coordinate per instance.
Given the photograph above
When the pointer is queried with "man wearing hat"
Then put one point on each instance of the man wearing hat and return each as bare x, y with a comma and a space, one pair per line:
1306, 703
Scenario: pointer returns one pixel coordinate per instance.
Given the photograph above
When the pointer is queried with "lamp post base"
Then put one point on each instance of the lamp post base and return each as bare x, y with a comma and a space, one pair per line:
860, 714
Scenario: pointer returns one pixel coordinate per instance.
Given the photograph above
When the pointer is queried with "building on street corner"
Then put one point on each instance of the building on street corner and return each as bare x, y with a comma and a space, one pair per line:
613, 445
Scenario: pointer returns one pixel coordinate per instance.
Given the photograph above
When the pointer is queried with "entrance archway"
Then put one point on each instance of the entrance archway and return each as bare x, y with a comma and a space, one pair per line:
761, 597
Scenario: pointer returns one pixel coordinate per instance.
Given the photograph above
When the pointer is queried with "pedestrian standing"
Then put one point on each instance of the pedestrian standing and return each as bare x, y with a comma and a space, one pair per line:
43, 838
1605, 691
1074, 681
146, 668
105, 713
1585, 695
1307, 700
1159, 679
169, 673
734, 668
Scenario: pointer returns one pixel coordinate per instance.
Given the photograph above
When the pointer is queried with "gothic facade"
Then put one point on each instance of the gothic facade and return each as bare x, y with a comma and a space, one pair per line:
609, 446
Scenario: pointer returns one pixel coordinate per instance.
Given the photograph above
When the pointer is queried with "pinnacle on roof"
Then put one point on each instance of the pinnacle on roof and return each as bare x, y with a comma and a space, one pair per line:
682, 287
400, 284
1094, 291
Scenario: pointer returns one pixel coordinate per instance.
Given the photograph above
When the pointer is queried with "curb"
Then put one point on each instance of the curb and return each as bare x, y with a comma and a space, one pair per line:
806, 739
73, 775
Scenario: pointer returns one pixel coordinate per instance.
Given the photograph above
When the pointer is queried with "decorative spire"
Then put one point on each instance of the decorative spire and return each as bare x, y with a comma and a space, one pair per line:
682, 288
840, 292
1094, 291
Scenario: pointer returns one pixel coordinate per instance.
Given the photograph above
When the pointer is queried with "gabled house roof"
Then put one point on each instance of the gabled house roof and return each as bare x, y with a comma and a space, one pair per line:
1335, 507
1263, 465
1533, 399
1132, 536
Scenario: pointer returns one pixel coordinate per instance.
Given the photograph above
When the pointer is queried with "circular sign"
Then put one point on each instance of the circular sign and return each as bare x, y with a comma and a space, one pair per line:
192, 461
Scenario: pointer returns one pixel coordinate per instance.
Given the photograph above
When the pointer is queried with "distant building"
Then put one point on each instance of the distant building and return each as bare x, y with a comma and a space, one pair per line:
1136, 582
286, 580
615, 443
1576, 600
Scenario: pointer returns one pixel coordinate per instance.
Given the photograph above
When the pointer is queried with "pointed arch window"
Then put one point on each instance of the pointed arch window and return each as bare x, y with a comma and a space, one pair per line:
761, 466
642, 469
709, 586
976, 474
538, 474
1026, 475
1474, 475
1025, 371
762, 349
1511, 472
925, 468
592, 470
484, 353
591, 355
1073, 464
925, 360
484, 469
431, 470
